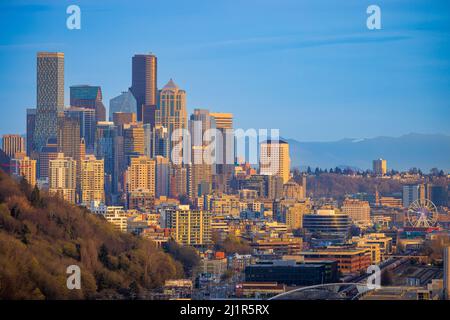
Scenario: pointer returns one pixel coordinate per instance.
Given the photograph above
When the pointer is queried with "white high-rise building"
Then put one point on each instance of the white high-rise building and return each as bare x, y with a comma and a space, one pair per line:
274, 159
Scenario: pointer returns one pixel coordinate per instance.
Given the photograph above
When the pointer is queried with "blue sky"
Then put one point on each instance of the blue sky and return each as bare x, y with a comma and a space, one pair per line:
310, 68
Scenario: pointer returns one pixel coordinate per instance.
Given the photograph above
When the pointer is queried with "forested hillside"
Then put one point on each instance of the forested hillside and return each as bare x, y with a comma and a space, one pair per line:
40, 236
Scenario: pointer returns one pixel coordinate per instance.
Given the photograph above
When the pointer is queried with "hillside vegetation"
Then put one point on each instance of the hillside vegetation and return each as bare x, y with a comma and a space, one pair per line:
40, 236
337, 185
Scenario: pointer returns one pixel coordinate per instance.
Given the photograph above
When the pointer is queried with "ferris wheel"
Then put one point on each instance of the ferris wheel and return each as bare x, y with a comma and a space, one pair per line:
422, 213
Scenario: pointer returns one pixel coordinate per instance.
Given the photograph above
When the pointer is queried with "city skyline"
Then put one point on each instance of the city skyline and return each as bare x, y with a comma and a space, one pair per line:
343, 85
199, 183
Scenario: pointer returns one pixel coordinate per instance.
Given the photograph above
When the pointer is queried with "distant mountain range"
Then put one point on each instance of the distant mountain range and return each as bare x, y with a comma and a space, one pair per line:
424, 151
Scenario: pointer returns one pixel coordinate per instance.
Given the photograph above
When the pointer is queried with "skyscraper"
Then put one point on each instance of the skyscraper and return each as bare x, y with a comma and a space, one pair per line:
69, 138
105, 148
13, 144
62, 178
171, 110
201, 162
133, 139
50, 96
31, 125
274, 159
92, 185
144, 86
125, 102
86, 96
162, 176
160, 142
225, 153
87, 121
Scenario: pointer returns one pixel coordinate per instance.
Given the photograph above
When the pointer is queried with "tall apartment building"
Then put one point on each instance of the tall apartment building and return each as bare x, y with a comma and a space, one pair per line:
162, 176
24, 167
92, 185
90, 97
63, 178
379, 167
141, 175
189, 227
144, 86
274, 159
13, 145
50, 96
357, 210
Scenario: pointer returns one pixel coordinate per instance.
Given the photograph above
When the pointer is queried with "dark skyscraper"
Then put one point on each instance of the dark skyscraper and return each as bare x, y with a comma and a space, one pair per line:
86, 118
144, 86
85, 96
31, 122
50, 96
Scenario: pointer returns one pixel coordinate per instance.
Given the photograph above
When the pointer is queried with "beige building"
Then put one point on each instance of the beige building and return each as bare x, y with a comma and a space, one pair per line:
391, 202
92, 180
274, 159
291, 212
63, 178
24, 167
189, 227
13, 144
357, 210
223, 205
141, 175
